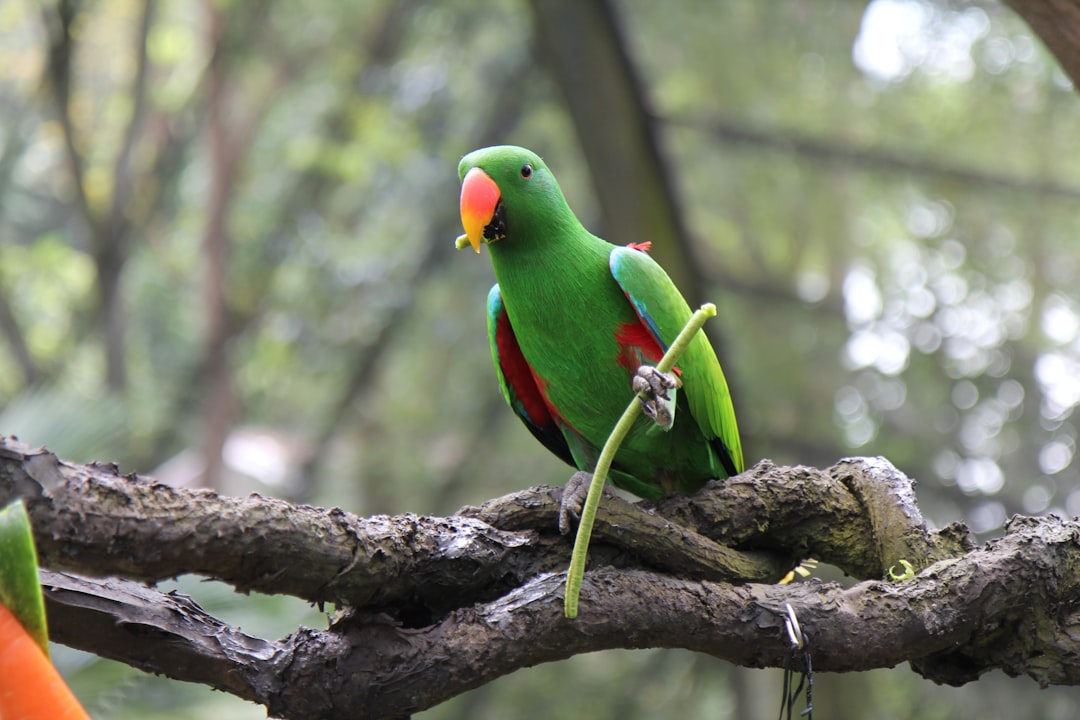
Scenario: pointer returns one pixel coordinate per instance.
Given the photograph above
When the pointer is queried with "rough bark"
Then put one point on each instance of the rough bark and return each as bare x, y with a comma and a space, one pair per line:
437, 606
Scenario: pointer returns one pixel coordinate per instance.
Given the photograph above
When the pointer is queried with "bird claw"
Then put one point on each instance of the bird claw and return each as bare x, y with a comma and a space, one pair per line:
655, 391
573, 500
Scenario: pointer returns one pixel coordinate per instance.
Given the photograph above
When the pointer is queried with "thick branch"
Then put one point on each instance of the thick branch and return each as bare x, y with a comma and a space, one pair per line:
442, 605
154, 631
92, 520
859, 515
956, 609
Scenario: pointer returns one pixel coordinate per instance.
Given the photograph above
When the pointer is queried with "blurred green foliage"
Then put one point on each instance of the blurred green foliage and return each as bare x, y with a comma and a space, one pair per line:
882, 200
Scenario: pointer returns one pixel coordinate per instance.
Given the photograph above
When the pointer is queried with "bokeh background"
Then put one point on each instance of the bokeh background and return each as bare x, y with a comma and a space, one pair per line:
226, 258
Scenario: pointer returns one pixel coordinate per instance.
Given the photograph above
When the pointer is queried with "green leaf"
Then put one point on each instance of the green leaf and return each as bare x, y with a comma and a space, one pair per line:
20, 590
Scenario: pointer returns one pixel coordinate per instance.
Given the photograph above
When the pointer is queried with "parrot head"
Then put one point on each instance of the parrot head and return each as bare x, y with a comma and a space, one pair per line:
503, 187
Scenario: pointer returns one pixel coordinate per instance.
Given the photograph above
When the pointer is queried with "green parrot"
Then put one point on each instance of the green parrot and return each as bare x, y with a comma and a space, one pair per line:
576, 325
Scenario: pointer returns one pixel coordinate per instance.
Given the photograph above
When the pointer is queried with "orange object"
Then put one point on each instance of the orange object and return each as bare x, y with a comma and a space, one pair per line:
30, 687
479, 198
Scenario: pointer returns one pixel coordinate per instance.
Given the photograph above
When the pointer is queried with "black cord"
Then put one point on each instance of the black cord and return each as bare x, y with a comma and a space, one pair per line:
806, 682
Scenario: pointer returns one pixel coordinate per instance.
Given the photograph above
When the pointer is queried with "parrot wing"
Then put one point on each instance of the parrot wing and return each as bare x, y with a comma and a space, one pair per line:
663, 312
518, 384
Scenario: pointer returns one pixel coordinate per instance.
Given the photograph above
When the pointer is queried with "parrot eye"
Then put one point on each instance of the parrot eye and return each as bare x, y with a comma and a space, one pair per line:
526, 171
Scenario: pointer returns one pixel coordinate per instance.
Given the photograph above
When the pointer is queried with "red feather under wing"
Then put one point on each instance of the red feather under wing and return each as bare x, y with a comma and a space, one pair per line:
637, 345
526, 393
519, 376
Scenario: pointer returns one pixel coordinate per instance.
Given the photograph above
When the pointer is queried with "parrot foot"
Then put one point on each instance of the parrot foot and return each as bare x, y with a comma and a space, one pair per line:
573, 500
652, 388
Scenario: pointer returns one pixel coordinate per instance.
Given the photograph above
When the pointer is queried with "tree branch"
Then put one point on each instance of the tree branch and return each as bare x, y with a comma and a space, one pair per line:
875, 159
92, 520
161, 633
123, 181
441, 605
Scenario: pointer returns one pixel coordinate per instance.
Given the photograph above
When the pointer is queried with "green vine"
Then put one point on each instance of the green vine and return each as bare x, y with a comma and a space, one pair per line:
588, 513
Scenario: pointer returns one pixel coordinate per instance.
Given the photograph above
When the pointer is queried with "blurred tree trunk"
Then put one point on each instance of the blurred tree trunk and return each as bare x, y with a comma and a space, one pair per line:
105, 248
12, 150
231, 126
12, 332
108, 225
582, 46
1057, 22
755, 693
219, 401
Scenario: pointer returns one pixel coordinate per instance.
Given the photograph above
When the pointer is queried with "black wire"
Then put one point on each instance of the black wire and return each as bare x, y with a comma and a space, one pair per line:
785, 696
806, 681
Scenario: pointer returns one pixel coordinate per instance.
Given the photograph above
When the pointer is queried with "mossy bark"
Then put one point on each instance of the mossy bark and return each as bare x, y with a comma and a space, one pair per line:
437, 606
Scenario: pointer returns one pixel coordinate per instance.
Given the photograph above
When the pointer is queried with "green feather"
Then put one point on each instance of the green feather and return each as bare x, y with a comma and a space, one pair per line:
652, 292
568, 295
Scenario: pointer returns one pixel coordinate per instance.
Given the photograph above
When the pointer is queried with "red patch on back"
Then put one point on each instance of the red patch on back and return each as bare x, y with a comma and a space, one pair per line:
637, 344
641, 246
519, 375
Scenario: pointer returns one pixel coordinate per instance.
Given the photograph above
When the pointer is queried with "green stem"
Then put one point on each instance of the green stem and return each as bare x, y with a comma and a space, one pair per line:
618, 434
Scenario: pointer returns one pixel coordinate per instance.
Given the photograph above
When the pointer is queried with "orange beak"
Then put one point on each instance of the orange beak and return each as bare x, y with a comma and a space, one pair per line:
479, 197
